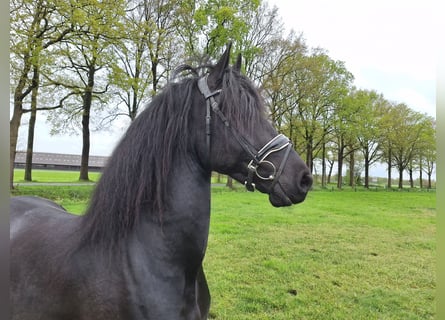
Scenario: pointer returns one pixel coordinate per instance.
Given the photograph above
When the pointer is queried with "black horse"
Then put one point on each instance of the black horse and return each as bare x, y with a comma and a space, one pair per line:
137, 252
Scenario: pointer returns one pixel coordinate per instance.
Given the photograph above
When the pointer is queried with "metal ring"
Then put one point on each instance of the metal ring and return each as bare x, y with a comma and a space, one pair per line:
270, 177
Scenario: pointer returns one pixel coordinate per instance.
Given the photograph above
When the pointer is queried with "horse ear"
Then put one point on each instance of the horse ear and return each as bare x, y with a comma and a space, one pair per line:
217, 72
237, 66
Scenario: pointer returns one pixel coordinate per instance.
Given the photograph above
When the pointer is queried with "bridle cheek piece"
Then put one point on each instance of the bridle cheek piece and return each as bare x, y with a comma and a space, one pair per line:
258, 158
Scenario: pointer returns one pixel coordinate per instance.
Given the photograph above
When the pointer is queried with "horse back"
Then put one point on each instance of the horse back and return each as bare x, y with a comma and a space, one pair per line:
51, 276
39, 234
22, 204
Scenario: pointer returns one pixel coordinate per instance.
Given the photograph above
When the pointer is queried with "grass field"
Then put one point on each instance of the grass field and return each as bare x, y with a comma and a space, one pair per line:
52, 176
339, 255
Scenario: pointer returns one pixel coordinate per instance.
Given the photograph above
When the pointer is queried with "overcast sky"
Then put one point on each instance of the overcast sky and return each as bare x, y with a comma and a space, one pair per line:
388, 45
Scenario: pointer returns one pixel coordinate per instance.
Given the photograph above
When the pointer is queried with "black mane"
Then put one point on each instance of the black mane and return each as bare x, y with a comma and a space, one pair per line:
135, 178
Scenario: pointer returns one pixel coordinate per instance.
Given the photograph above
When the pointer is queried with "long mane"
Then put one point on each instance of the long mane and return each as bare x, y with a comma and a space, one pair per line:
135, 180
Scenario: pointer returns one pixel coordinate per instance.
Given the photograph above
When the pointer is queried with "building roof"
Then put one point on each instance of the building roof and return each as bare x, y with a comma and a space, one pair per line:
59, 159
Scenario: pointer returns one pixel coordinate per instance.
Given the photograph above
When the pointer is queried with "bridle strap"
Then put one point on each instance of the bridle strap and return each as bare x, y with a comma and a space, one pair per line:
257, 157
281, 168
211, 103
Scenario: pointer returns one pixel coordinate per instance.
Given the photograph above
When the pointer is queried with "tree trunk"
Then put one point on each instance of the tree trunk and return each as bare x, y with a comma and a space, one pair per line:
154, 73
323, 166
351, 170
133, 109
421, 175
366, 170
389, 169
14, 125
30, 144
331, 167
87, 102
400, 178
229, 182
32, 124
309, 160
340, 169
85, 145
340, 154
411, 180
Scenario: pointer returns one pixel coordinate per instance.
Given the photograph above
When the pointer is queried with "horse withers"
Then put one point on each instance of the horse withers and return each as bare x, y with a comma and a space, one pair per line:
137, 252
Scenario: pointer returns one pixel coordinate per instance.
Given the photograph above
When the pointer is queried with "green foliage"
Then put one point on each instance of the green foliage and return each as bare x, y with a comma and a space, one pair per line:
222, 21
405, 135
307, 88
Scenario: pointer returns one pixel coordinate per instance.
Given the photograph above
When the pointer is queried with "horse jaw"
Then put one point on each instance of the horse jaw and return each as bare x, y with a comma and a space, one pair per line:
282, 200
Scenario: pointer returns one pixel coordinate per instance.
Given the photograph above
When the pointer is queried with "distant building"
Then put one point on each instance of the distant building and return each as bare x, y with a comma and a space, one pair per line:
59, 161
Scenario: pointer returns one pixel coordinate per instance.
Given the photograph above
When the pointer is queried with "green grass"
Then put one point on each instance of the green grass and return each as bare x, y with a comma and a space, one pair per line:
52, 176
73, 198
339, 255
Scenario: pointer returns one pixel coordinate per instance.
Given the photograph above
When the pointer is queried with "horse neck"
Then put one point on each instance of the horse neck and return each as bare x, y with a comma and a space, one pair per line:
189, 191
183, 229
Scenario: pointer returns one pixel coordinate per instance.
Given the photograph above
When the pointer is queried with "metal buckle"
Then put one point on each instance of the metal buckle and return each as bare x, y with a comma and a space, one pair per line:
251, 166
249, 186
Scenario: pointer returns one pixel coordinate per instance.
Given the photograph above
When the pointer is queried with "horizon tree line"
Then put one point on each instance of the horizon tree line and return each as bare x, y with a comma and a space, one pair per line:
85, 63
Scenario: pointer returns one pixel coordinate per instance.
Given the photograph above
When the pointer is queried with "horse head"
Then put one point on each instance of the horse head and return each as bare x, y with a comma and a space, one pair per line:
242, 142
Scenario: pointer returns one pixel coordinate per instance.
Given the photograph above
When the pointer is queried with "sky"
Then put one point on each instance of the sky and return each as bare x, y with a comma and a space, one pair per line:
388, 45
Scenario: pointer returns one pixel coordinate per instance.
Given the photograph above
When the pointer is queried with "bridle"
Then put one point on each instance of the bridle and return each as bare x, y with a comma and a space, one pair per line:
258, 158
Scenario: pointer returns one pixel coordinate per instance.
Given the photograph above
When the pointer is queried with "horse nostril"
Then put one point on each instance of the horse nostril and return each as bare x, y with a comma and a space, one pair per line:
306, 181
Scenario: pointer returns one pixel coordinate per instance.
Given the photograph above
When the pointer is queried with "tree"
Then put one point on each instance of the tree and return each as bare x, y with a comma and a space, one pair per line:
161, 23
406, 130
130, 75
386, 138
220, 22
265, 28
370, 109
323, 83
32, 120
35, 27
344, 135
425, 158
330, 158
304, 89
280, 59
82, 66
